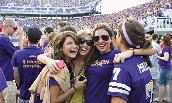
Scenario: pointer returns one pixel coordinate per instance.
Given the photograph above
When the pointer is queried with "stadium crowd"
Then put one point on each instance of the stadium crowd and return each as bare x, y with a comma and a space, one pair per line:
44, 3
99, 59
140, 12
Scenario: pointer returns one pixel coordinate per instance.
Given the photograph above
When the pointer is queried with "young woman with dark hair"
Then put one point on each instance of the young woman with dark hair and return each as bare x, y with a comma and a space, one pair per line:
165, 69
66, 48
131, 81
101, 64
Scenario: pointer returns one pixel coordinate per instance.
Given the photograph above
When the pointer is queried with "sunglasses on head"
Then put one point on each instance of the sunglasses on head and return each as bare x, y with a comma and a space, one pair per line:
88, 42
14, 28
103, 37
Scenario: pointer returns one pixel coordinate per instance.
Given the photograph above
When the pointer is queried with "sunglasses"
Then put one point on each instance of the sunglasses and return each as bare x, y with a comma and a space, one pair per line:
14, 28
103, 37
88, 42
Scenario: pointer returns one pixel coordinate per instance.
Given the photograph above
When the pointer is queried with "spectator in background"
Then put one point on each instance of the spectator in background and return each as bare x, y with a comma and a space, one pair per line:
148, 35
26, 65
45, 37
61, 25
165, 69
2, 86
7, 50
154, 60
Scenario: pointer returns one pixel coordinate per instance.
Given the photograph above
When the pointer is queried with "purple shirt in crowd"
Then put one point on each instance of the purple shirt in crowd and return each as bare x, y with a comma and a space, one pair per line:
132, 81
165, 64
98, 77
7, 50
29, 68
3, 83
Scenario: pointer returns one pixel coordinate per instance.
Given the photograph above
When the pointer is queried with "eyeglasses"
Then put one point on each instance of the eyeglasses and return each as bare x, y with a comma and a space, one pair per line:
88, 42
14, 28
103, 37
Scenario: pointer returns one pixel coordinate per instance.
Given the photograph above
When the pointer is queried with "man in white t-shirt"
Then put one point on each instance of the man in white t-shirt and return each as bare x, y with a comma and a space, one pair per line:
154, 60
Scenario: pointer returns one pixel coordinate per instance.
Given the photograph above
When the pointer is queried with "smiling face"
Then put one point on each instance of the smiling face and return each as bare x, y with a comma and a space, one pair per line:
102, 41
85, 45
69, 48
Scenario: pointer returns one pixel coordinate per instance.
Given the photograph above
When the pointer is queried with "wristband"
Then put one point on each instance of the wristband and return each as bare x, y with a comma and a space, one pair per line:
133, 52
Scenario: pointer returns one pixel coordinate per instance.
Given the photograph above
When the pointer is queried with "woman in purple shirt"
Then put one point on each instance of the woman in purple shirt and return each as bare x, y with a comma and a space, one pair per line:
100, 67
131, 81
165, 69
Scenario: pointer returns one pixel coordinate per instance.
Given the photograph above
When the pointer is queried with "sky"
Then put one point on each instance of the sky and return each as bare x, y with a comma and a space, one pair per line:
111, 6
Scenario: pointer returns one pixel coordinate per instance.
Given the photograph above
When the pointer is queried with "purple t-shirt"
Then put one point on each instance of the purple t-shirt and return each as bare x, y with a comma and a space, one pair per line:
98, 78
3, 83
7, 50
165, 64
29, 68
132, 81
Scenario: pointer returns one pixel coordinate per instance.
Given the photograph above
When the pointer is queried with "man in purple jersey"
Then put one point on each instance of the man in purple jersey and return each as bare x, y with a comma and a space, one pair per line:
7, 50
131, 81
26, 65
3, 85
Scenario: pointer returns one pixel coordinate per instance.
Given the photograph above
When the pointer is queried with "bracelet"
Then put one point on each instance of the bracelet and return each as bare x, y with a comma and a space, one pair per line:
74, 88
133, 52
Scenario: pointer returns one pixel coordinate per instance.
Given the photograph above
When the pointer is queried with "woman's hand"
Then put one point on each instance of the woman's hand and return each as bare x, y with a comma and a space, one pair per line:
120, 57
79, 84
51, 65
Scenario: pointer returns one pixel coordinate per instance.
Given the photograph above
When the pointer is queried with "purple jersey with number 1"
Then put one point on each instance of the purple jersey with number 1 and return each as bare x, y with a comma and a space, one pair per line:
132, 81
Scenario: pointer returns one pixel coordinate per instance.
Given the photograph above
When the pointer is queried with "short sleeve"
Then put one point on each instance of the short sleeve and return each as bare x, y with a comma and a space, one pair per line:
14, 61
8, 46
52, 81
120, 84
166, 49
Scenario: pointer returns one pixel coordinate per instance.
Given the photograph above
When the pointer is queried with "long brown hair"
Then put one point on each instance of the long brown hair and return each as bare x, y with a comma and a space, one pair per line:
95, 53
166, 40
59, 41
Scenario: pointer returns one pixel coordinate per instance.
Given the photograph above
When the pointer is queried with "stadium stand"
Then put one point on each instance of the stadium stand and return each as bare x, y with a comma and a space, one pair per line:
153, 15
45, 3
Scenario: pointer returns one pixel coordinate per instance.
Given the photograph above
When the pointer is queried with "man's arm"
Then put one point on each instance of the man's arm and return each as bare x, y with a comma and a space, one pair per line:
16, 76
20, 34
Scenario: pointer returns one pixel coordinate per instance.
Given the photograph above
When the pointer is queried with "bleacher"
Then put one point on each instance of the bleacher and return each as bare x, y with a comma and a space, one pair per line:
45, 3
147, 13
